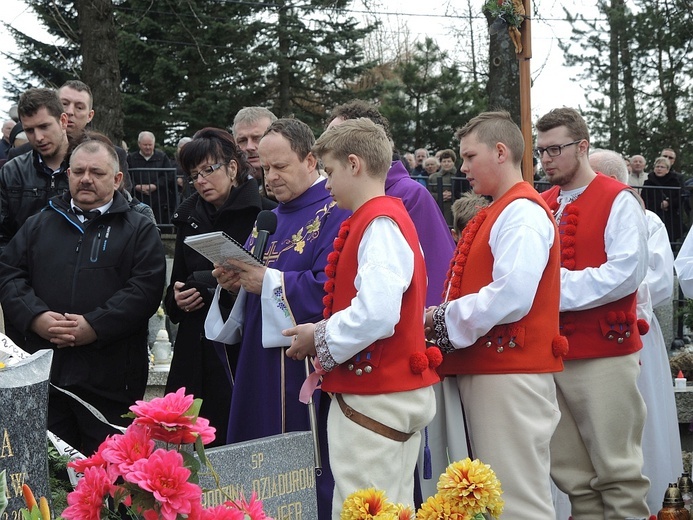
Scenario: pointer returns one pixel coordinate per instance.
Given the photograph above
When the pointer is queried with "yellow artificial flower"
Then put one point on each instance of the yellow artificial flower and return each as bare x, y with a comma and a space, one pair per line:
473, 485
437, 508
368, 504
404, 512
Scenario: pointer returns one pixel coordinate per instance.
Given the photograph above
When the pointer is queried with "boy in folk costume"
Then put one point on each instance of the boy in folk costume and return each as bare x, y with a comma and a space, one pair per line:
499, 322
375, 363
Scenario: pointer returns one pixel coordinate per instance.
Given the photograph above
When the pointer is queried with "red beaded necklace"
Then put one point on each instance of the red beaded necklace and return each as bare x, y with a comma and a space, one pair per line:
331, 268
453, 282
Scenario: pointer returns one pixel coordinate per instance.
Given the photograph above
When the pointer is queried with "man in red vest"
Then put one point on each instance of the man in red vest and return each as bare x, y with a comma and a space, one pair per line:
596, 453
499, 321
371, 348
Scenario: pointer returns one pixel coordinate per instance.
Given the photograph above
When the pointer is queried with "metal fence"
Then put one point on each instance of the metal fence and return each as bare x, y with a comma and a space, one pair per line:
158, 188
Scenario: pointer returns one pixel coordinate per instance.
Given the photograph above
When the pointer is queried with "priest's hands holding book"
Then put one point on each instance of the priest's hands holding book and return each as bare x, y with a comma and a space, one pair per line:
303, 341
240, 274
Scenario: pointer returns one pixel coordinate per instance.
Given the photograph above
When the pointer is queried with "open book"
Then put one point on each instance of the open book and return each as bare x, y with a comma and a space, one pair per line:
218, 247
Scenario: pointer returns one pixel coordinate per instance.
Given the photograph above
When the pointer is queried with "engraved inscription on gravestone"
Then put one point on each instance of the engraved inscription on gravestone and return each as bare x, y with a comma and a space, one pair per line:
279, 469
23, 422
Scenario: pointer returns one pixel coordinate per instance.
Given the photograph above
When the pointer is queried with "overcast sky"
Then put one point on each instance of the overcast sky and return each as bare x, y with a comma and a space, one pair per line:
553, 84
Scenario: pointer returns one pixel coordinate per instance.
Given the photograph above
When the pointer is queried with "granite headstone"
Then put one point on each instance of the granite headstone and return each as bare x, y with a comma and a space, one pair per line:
23, 423
279, 469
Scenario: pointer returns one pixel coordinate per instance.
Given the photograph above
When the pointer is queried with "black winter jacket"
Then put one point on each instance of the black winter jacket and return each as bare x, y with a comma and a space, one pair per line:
111, 271
25, 190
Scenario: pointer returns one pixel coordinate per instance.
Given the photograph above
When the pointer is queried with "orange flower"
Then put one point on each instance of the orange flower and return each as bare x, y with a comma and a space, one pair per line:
368, 504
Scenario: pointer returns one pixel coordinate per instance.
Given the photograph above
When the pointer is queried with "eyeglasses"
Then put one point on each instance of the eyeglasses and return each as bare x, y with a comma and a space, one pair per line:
553, 151
204, 172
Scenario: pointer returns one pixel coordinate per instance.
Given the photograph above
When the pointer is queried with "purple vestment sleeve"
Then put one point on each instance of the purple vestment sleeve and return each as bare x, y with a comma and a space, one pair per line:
434, 235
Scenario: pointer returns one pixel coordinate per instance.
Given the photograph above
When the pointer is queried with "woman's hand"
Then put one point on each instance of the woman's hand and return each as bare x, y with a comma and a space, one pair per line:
188, 300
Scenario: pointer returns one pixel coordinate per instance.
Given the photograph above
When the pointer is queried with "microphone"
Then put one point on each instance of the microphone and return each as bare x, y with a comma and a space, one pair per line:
266, 225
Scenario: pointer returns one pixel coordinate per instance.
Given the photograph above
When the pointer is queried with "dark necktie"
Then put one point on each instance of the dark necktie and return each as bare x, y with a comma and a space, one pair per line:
88, 215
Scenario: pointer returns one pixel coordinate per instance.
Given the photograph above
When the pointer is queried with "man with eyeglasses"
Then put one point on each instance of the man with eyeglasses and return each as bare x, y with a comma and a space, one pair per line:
670, 155
596, 451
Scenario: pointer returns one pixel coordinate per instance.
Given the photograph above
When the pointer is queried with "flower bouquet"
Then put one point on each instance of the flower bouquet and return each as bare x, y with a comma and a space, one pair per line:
466, 491
129, 475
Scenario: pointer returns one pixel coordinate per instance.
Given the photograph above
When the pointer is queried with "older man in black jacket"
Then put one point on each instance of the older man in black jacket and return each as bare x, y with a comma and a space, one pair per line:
82, 277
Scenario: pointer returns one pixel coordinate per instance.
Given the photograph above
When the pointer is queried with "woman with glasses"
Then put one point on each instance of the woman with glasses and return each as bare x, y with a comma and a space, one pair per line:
222, 200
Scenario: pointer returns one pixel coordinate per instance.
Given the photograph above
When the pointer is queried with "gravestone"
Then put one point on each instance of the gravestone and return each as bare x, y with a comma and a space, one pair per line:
23, 423
279, 469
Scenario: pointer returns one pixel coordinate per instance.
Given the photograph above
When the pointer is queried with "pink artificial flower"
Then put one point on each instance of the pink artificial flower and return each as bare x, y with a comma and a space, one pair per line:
87, 500
123, 450
253, 508
167, 410
169, 419
164, 475
222, 512
95, 461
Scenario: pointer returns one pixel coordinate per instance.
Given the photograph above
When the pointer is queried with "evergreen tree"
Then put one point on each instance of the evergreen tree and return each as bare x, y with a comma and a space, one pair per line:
636, 64
185, 64
315, 53
428, 99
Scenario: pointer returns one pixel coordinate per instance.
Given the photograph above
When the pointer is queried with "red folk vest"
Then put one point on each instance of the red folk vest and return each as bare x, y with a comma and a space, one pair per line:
530, 345
609, 330
385, 366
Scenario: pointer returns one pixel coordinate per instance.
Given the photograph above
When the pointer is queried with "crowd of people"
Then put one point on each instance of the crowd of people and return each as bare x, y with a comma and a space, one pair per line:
508, 325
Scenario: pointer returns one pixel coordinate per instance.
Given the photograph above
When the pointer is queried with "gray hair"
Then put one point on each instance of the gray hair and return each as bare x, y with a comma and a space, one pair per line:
251, 115
609, 163
145, 134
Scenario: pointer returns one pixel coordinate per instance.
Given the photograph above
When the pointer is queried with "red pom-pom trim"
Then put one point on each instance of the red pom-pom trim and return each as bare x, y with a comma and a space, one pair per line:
330, 270
630, 318
418, 362
567, 241
435, 357
570, 229
611, 318
643, 327
568, 263
333, 257
559, 346
338, 244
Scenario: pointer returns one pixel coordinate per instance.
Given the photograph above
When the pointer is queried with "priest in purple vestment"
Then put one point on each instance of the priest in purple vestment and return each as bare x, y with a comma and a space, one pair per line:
288, 291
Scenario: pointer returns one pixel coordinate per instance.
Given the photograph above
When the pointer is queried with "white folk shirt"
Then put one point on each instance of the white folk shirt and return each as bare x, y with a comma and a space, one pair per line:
520, 240
625, 240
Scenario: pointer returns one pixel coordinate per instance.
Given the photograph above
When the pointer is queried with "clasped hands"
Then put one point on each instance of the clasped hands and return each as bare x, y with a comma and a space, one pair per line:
239, 274
63, 330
